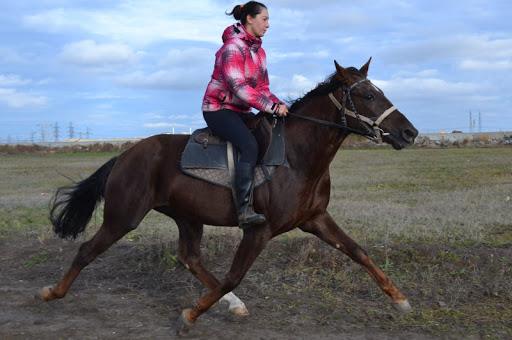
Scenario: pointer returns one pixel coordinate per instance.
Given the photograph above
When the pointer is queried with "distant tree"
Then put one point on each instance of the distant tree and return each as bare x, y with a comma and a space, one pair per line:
33, 137
87, 133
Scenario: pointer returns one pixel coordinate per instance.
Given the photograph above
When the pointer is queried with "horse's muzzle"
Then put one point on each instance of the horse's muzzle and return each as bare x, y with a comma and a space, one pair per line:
409, 134
401, 138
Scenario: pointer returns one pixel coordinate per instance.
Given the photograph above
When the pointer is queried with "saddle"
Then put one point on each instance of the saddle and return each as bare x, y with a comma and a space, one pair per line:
212, 159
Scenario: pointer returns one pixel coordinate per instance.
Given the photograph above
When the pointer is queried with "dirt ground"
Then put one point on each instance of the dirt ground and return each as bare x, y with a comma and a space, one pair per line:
131, 293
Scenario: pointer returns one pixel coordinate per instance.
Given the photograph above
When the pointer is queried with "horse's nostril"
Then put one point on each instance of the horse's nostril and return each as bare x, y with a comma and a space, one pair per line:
409, 135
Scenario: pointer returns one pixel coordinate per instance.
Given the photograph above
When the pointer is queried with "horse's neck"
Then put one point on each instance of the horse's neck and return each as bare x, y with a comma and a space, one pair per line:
310, 146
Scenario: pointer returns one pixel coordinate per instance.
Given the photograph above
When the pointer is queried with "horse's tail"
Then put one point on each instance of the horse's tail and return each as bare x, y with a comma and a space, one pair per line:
72, 206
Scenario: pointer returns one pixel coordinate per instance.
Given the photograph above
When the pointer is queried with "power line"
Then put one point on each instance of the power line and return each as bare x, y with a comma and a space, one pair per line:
56, 132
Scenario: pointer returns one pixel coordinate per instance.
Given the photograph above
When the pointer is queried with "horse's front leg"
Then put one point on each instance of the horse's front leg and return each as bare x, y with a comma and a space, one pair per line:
189, 254
253, 242
324, 227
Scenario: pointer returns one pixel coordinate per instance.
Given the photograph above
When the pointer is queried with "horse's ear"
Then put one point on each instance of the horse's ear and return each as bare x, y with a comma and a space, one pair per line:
364, 68
340, 71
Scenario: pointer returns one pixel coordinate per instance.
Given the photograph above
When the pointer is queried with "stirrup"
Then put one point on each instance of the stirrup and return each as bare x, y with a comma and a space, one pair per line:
250, 218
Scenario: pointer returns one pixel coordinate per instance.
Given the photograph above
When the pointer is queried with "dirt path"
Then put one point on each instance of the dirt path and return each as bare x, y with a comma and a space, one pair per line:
120, 296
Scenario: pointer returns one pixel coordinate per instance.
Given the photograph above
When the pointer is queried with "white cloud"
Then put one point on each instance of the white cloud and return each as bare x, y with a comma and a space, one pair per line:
188, 56
16, 99
275, 56
45, 81
426, 88
301, 82
104, 106
180, 69
97, 96
486, 65
153, 115
88, 53
426, 73
138, 23
10, 56
179, 117
292, 88
49, 21
454, 47
163, 125
176, 79
13, 80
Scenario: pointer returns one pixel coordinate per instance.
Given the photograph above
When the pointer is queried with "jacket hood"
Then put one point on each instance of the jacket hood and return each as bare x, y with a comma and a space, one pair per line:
238, 32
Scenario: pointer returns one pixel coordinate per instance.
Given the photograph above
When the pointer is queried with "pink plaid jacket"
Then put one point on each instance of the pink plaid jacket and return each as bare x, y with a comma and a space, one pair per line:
240, 78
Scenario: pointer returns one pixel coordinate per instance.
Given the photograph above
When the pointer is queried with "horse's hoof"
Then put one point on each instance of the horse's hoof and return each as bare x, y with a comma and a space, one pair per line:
403, 306
183, 324
46, 294
240, 311
236, 306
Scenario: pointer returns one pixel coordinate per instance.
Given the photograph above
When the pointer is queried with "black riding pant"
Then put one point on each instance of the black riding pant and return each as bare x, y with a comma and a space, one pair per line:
230, 126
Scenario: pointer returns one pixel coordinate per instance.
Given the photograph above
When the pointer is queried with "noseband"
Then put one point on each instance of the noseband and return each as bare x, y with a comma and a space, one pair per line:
374, 130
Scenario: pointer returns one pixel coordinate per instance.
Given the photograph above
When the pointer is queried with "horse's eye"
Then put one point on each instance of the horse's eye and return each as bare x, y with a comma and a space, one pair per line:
369, 97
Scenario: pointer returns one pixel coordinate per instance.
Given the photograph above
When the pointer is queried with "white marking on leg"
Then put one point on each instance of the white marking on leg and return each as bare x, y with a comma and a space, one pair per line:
236, 306
187, 266
338, 246
403, 306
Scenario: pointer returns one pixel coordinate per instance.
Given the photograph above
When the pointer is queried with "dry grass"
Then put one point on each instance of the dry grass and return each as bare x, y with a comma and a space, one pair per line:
447, 195
378, 196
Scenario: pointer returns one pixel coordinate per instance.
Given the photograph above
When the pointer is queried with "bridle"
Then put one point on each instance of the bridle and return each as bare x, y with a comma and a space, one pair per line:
372, 129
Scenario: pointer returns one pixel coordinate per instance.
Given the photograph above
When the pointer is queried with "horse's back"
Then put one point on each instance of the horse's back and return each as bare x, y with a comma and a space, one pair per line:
147, 166
150, 172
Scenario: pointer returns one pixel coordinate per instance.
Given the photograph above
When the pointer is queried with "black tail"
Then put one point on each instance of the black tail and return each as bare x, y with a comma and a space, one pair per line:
72, 206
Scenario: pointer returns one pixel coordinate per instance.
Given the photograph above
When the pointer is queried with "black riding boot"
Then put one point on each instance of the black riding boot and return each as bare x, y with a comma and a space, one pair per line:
244, 184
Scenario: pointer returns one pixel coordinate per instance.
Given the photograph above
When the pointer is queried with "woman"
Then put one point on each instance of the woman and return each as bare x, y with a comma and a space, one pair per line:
239, 83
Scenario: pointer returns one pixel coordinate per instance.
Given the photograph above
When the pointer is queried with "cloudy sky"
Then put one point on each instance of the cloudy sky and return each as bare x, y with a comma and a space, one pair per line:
131, 68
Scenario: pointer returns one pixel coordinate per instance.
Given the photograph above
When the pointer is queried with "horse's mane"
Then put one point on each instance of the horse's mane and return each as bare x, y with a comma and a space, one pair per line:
328, 85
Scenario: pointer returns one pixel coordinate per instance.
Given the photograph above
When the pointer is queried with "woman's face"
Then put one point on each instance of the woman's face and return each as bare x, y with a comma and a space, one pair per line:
258, 25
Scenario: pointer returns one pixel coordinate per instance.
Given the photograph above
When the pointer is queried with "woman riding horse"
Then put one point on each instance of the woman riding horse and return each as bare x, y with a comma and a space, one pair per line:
148, 176
239, 83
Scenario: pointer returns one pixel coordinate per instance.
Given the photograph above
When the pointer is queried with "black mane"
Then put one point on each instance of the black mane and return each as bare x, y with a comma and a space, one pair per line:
328, 85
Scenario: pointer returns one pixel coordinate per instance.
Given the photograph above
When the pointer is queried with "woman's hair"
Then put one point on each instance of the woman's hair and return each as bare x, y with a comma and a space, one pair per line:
252, 8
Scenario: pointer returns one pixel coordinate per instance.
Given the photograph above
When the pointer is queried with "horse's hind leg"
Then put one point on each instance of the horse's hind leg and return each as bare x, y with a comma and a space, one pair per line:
120, 216
326, 229
189, 254
107, 235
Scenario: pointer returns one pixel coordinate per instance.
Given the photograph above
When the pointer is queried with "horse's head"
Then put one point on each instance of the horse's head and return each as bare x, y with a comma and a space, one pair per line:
368, 110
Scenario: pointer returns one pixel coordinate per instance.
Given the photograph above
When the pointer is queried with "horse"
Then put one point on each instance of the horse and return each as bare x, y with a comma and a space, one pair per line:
148, 177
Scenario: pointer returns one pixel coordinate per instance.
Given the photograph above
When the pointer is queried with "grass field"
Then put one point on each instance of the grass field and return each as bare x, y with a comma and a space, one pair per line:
438, 221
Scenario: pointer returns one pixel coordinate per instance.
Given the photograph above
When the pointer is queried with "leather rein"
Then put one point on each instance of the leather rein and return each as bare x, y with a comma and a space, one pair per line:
372, 129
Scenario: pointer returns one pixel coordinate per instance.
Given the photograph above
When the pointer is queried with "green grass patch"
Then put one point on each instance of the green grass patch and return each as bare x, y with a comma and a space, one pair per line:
499, 236
37, 259
23, 220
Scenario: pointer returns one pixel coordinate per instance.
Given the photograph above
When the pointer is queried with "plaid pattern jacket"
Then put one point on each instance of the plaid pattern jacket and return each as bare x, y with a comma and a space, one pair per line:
240, 79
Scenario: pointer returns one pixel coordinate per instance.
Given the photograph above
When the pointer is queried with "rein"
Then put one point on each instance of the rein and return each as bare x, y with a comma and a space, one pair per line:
329, 124
375, 133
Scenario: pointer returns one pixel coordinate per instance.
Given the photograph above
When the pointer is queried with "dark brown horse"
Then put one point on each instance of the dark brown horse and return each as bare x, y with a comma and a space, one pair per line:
148, 176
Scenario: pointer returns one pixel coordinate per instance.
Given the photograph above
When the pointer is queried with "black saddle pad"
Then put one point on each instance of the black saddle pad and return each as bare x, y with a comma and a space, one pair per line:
205, 150
205, 155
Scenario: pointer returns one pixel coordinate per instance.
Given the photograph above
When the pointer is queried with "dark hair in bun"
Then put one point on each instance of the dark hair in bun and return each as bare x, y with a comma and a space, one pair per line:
252, 8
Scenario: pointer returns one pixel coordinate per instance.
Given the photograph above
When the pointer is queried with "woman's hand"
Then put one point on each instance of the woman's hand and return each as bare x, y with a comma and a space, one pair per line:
282, 110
